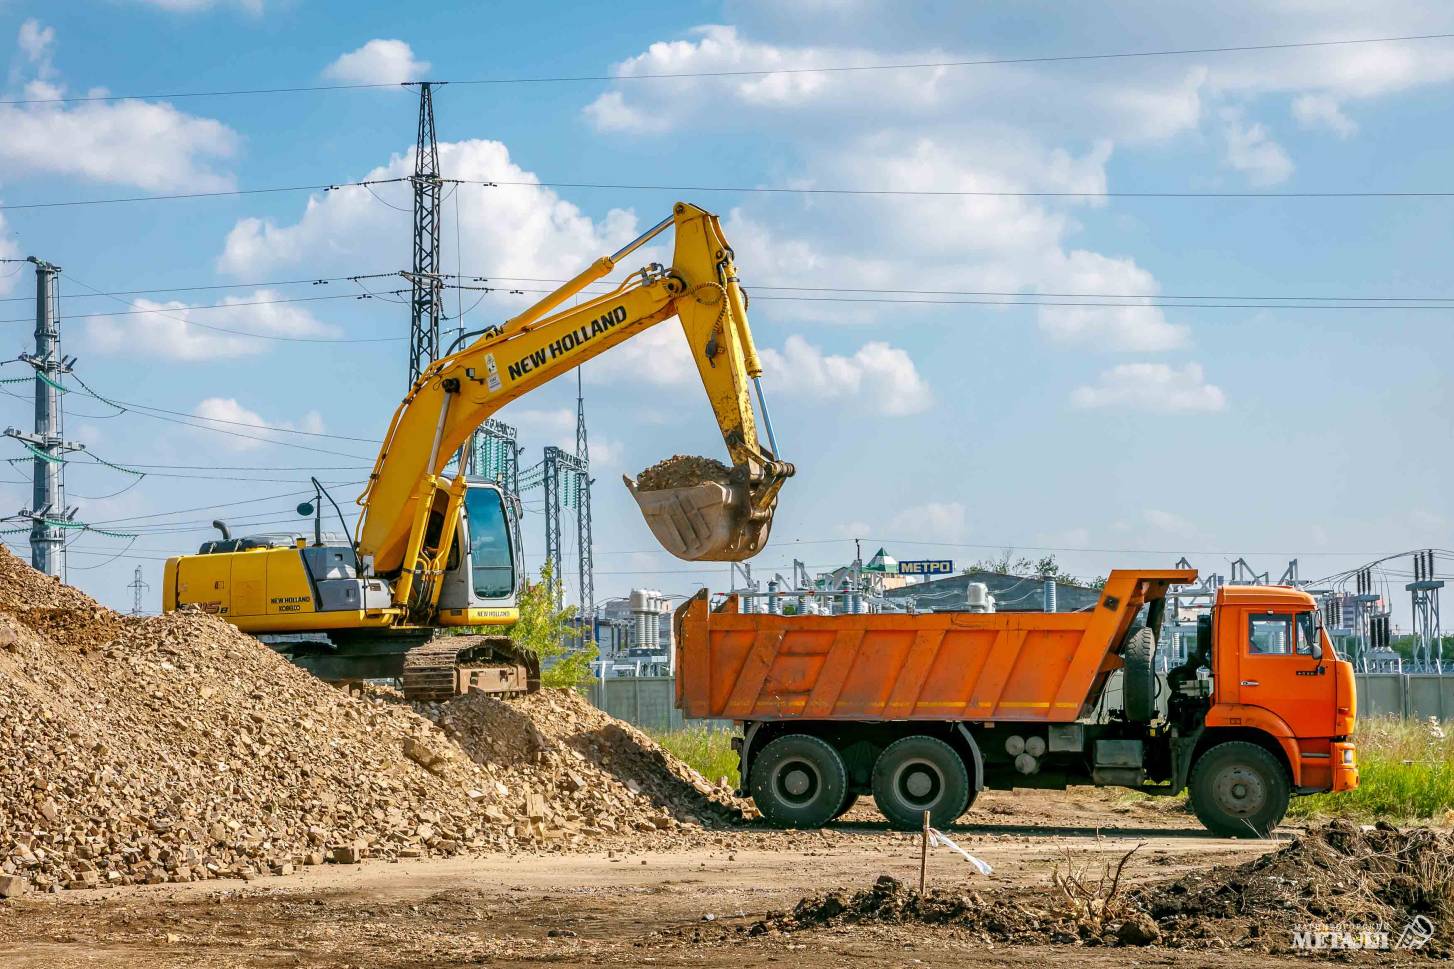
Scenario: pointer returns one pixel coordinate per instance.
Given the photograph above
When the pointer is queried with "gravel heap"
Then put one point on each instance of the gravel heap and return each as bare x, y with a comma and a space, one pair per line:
682, 471
174, 748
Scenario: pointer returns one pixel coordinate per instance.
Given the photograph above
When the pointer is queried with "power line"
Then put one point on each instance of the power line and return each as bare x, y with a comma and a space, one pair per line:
170, 312
220, 193
945, 193
771, 190
261, 427
748, 72
760, 288
192, 288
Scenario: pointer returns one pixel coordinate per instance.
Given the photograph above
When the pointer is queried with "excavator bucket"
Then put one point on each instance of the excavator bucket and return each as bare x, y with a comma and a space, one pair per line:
707, 522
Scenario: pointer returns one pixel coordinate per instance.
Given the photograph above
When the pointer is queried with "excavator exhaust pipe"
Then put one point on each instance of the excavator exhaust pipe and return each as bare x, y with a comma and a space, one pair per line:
708, 522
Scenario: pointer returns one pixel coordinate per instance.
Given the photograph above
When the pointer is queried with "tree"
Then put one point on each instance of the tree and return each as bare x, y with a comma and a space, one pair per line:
550, 633
1008, 563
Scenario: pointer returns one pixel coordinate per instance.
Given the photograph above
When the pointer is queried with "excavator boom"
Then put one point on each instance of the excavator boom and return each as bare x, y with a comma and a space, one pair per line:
409, 510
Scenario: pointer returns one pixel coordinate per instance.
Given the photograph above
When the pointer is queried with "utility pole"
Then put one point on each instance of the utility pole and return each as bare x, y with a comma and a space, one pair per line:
48, 514
585, 562
564, 476
427, 286
137, 586
1428, 634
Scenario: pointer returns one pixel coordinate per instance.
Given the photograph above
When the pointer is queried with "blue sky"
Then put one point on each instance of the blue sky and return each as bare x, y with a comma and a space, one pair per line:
1151, 431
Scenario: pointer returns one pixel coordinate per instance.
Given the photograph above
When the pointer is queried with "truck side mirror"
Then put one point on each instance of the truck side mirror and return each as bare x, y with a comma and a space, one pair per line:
1318, 651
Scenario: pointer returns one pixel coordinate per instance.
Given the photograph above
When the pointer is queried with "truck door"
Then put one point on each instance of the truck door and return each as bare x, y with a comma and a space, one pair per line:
1279, 672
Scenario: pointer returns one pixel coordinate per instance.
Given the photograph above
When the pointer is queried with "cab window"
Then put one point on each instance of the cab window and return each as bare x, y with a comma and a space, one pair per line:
1307, 633
491, 565
1270, 635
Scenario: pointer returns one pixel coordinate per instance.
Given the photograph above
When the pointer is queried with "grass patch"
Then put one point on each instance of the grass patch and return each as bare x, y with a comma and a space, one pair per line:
708, 751
1406, 772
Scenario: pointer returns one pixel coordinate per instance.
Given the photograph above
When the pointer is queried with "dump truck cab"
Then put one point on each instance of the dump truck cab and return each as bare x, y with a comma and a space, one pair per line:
1276, 682
923, 710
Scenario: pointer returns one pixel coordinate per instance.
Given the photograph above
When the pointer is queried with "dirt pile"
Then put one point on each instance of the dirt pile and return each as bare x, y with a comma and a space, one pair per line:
175, 748
993, 917
682, 471
1338, 880
1338, 875
599, 775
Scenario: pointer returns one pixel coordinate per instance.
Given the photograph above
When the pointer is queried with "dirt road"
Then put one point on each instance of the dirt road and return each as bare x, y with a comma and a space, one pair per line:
659, 909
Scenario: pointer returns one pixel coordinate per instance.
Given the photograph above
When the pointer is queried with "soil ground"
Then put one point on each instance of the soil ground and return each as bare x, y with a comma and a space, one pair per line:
655, 908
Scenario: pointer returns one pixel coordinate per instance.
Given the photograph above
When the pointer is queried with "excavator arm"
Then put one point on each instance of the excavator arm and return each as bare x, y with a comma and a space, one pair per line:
410, 509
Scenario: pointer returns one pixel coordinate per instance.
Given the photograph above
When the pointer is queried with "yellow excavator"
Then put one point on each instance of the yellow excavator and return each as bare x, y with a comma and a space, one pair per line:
433, 550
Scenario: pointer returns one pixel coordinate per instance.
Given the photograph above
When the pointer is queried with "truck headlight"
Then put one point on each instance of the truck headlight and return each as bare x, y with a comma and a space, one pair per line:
1347, 756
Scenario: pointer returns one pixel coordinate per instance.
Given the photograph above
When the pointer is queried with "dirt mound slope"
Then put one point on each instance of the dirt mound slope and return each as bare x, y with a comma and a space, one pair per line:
682, 471
22, 587
1335, 879
607, 775
1334, 875
174, 748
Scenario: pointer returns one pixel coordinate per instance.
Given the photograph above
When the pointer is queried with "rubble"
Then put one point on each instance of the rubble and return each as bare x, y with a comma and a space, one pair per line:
682, 471
140, 750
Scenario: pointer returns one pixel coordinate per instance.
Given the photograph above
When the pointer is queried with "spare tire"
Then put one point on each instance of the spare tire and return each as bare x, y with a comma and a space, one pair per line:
1138, 679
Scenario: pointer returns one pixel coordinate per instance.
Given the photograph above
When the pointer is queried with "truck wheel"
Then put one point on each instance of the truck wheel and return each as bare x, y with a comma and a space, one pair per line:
798, 781
1239, 789
918, 774
1138, 679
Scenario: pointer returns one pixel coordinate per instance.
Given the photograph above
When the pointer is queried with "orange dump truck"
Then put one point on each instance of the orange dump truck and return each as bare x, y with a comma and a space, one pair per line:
923, 711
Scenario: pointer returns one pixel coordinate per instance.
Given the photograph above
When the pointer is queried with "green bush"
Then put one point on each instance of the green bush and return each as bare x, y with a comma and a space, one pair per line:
1406, 772
708, 751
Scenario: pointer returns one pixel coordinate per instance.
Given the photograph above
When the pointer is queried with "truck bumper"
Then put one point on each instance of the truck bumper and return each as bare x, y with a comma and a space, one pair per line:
1345, 766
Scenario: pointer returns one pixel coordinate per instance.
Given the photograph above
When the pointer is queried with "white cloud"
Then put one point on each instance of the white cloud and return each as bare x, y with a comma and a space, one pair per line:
1138, 328
379, 61
935, 521
11, 274
659, 357
227, 414
877, 377
37, 43
1152, 389
980, 246
151, 145
516, 231
1251, 150
611, 113
538, 427
1323, 111
165, 329
1167, 521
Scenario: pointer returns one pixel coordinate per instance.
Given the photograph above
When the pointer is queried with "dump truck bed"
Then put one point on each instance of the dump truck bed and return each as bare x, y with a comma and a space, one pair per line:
1008, 666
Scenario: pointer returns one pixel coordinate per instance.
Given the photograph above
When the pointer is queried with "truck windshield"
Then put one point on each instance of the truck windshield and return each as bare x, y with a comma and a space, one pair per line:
491, 565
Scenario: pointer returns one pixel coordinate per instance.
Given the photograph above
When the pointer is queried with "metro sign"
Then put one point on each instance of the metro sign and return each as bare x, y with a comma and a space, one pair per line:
927, 567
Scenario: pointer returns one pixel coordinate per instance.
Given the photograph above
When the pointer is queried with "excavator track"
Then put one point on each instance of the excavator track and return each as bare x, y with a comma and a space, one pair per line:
450, 666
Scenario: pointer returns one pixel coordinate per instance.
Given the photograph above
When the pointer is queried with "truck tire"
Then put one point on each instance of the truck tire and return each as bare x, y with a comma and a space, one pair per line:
1138, 679
1239, 790
798, 781
918, 774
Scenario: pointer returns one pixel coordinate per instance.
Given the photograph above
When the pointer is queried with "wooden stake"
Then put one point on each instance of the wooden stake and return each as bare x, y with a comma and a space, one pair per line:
924, 855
